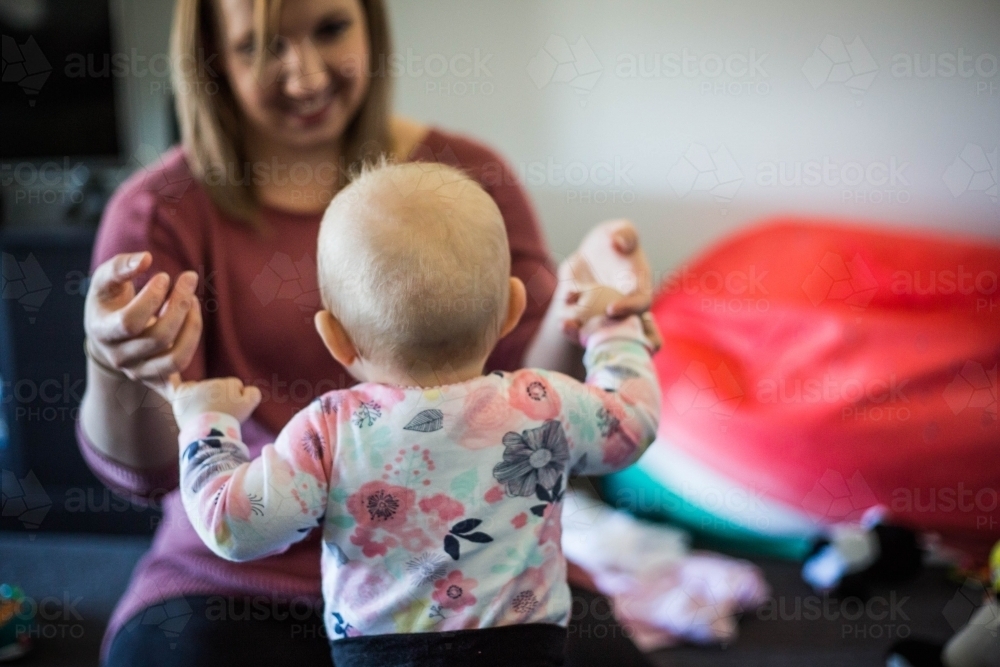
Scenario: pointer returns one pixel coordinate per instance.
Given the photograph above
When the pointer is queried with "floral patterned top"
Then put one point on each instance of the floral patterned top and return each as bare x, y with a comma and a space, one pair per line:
440, 506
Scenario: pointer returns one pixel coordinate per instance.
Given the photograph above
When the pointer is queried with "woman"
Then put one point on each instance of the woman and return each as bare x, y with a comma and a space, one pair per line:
276, 101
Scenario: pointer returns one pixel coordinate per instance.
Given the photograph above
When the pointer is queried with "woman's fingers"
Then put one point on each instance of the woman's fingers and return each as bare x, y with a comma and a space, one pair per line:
571, 328
162, 335
620, 233
189, 337
157, 370
112, 275
625, 238
135, 316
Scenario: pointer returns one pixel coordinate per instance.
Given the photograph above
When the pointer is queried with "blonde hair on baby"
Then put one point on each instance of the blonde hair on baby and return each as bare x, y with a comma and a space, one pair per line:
413, 260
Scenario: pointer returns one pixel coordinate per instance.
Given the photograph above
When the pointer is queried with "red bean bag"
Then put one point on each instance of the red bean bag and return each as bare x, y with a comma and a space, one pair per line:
836, 368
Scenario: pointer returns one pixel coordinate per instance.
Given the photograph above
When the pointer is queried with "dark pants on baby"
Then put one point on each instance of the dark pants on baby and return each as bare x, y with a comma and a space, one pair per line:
185, 633
533, 645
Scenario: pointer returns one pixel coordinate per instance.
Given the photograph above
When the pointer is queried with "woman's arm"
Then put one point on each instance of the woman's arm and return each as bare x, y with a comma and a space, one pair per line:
141, 327
609, 255
134, 339
551, 348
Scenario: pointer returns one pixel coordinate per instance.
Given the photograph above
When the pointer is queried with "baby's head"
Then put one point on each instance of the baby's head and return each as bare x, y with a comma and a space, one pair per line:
414, 272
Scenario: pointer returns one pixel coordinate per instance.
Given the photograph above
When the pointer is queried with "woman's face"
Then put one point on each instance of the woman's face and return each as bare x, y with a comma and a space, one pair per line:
315, 75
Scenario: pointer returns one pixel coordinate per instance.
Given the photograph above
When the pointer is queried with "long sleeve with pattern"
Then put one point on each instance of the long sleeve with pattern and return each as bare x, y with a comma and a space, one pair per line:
440, 506
245, 509
621, 398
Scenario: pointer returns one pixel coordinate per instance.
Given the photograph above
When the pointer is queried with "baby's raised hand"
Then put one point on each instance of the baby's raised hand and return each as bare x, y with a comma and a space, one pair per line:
227, 395
589, 308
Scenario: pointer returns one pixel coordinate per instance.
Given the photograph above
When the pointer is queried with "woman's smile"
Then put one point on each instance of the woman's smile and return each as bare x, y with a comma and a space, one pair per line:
310, 112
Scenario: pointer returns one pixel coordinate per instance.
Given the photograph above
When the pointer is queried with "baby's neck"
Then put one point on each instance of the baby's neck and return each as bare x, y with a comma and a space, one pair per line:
423, 375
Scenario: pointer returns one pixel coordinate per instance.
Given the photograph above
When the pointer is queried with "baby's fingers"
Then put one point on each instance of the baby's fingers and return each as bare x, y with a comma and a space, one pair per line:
633, 304
252, 395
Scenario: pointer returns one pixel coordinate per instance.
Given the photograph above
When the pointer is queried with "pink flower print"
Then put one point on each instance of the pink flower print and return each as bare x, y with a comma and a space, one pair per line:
550, 529
618, 450
454, 591
414, 539
308, 452
386, 396
524, 602
484, 411
369, 547
523, 598
533, 396
446, 507
380, 505
364, 586
337, 404
638, 392
460, 622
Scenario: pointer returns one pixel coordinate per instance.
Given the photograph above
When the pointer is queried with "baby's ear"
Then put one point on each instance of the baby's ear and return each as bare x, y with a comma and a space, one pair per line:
516, 304
335, 337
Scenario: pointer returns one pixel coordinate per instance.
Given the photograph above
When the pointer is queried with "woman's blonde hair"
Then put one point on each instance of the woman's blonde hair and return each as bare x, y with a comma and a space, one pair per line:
210, 123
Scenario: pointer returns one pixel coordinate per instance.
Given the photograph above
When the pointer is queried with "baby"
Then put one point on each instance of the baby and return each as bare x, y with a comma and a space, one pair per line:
437, 488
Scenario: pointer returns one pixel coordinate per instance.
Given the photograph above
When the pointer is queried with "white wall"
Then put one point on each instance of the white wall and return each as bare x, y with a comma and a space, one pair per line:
794, 107
142, 31
756, 121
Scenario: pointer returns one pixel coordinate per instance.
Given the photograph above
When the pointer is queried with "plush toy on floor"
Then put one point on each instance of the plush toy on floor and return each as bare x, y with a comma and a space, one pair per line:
14, 628
853, 558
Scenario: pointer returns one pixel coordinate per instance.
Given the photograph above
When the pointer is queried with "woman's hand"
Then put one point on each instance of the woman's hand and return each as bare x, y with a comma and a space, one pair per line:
148, 336
610, 256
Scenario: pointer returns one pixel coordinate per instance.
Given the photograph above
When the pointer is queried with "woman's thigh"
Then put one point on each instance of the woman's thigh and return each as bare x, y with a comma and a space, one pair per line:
220, 632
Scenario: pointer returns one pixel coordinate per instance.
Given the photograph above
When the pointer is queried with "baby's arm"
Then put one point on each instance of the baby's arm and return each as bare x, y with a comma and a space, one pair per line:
245, 509
613, 418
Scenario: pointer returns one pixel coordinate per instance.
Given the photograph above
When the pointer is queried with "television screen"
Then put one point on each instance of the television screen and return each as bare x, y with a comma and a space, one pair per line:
58, 80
